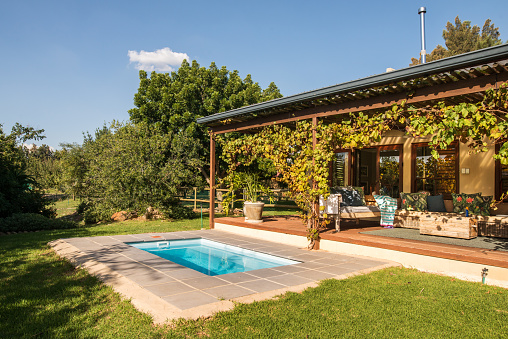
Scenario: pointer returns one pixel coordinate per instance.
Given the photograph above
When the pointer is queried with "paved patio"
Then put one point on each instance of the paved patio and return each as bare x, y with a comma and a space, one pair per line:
167, 290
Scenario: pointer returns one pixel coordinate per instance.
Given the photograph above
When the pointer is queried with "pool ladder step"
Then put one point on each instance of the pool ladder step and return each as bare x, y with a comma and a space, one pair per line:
162, 244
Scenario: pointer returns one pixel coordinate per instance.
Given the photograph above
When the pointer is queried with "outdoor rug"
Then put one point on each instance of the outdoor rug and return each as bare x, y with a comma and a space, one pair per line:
496, 244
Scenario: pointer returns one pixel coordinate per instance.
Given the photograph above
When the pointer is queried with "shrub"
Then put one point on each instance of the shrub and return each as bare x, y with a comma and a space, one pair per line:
32, 222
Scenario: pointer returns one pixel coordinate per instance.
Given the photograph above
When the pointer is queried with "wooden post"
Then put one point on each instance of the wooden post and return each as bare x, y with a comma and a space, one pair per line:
212, 181
314, 186
195, 198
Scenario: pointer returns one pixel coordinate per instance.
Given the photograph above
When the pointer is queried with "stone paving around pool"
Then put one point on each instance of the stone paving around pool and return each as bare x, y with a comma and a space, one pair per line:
167, 290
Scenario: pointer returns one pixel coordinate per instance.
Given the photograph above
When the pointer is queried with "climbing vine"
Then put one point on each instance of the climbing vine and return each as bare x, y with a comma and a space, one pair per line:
305, 169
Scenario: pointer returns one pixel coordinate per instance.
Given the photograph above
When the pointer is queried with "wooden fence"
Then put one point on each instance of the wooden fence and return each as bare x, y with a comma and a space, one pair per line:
195, 196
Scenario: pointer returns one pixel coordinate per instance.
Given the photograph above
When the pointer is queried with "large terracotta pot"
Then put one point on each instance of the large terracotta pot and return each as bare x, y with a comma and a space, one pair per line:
253, 211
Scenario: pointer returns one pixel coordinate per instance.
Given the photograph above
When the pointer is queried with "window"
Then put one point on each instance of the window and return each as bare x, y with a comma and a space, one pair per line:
437, 176
341, 168
375, 169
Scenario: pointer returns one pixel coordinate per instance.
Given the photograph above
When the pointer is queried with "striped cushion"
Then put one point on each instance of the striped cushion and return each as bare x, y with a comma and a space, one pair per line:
387, 206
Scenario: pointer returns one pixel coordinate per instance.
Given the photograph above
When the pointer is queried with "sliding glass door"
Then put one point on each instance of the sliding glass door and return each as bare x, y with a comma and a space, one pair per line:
379, 170
390, 167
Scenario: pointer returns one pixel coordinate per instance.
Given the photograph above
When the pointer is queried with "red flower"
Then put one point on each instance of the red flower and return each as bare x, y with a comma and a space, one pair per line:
404, 201
459, 199
469, 200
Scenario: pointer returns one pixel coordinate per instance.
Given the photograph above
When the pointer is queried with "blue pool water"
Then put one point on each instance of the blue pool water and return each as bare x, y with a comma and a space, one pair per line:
211, 257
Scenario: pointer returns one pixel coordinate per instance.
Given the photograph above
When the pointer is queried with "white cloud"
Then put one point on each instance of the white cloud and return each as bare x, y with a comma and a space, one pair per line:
162, 60
29, 146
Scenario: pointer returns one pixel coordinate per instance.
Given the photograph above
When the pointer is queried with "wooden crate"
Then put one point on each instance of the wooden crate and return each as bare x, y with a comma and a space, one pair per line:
407, 219
493, 226
448, 225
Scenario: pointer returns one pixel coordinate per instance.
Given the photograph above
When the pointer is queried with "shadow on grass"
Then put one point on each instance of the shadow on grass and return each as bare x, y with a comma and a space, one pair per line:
42, 295
46, 297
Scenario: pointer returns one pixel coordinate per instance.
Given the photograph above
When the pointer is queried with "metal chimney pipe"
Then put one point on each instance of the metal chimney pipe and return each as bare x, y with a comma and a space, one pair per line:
423, 53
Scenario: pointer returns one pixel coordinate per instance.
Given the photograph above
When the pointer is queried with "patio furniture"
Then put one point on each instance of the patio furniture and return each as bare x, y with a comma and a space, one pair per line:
333, 209
448, 225
387, 206
493, 226
442, 224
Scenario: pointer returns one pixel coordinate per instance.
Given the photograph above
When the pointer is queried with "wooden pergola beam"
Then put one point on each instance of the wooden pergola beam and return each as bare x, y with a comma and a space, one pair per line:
430, 93
212, 181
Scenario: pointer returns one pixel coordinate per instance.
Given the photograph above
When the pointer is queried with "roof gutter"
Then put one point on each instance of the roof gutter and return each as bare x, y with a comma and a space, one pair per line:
482, 56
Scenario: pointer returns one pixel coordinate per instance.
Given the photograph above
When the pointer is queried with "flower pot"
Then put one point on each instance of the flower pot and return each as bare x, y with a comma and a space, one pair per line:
253, 212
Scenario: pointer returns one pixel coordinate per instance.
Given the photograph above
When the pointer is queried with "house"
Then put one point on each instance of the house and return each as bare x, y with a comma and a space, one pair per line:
398, 163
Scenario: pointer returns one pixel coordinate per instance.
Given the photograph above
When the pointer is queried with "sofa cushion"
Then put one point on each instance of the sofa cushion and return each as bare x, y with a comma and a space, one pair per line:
483, 204
449, 206
463, 200
435, 203
414, 201
351, 196
361, 195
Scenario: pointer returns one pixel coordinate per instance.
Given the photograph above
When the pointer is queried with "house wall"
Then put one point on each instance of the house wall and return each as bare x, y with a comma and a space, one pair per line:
481, 177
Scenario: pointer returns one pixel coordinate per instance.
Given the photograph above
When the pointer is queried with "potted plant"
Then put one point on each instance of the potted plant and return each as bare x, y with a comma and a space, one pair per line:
252, 189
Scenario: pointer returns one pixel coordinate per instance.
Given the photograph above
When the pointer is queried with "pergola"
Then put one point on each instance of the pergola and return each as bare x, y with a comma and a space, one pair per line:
457, 79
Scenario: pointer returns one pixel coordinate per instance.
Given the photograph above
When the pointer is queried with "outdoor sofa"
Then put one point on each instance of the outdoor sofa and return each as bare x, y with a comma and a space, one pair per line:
432, 215
347, 203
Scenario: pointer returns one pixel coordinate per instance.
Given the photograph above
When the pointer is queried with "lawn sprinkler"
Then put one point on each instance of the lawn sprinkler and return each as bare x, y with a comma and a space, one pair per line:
484, 274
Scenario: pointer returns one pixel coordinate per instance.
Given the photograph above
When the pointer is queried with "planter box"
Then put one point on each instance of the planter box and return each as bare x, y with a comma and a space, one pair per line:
407, 219
493, 226
448, 225
438, 223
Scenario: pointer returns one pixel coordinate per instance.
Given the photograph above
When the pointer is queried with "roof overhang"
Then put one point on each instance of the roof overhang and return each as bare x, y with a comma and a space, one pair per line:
463, 77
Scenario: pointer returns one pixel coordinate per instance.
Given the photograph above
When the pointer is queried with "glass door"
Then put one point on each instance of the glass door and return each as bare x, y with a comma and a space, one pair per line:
379, 170
366, 169
389, 172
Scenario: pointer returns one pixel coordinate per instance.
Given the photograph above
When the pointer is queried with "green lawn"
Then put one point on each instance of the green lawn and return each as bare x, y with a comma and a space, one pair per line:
43, 296
65, 206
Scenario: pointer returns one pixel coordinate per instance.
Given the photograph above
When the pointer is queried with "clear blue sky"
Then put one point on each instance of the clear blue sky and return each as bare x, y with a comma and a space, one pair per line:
65, 66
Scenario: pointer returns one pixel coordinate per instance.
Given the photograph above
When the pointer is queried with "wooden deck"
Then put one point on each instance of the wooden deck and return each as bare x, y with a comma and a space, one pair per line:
351, 233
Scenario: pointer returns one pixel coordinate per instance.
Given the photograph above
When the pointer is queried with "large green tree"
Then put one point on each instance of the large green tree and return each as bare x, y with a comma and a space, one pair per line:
132, 167
19, 192
462, 38
173, 102
44, 164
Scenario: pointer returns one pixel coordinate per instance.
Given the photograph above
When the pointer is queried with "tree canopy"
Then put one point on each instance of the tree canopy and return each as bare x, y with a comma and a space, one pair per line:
462, 38
19, 192
44, 164
131, 167
173, 102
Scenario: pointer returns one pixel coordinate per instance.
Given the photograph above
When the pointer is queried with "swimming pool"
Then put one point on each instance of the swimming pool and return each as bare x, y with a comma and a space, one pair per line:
211, 257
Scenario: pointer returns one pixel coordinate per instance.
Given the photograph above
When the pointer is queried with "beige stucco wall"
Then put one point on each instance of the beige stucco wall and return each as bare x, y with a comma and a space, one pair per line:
481, 177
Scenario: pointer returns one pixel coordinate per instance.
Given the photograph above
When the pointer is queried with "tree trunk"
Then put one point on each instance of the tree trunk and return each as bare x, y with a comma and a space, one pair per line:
205, 174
